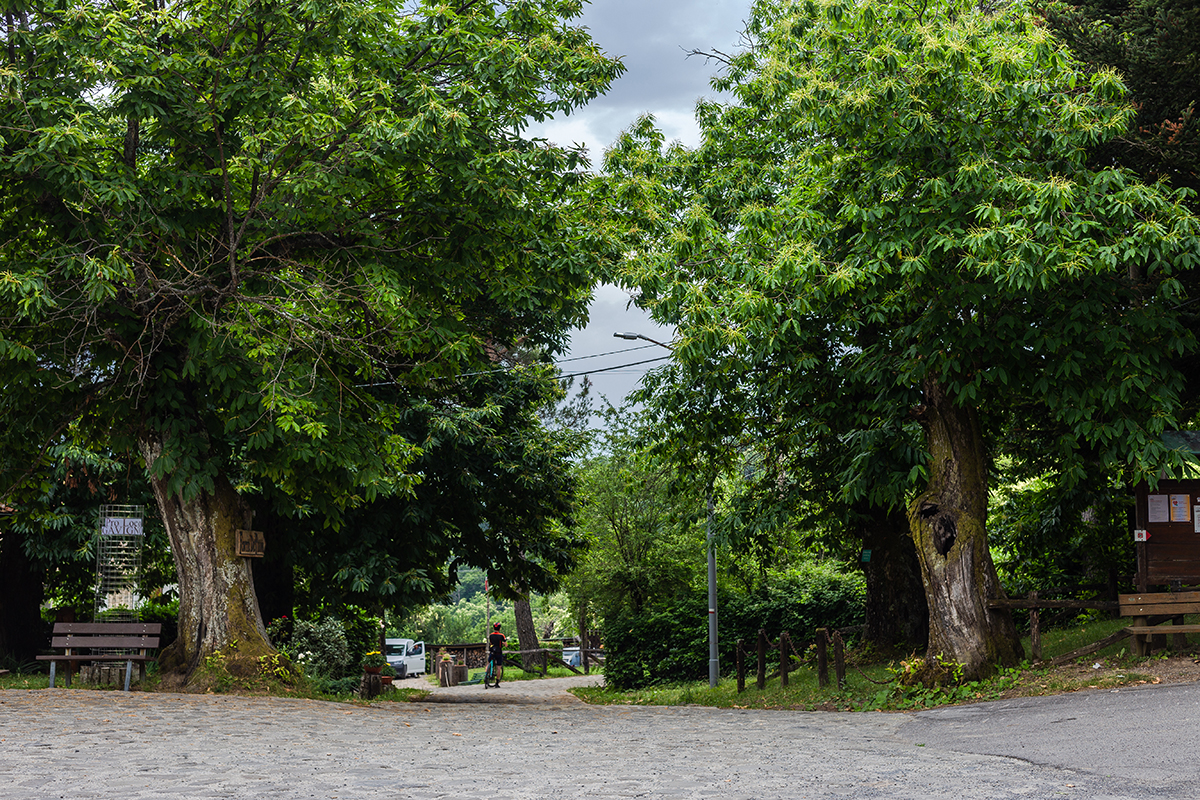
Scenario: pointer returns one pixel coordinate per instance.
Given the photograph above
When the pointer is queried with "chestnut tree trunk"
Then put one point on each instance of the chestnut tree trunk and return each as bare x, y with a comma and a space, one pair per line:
948, 524
527, 634
218, 610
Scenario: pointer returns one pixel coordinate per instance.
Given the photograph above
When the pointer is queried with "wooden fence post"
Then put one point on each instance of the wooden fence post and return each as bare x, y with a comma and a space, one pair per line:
839, 660
822, 659
761, 680
545, 661
785, 643
583, 642
741, 668
1035, 628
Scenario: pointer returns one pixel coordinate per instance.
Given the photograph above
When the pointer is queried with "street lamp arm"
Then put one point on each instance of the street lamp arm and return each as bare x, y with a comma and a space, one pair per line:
634, 336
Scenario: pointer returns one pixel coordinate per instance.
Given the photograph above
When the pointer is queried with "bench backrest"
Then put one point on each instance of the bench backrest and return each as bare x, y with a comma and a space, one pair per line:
122, 635
109, 628
72, 641
1150, 603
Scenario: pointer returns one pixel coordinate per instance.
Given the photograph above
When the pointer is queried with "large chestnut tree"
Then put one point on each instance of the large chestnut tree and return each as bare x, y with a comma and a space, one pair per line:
249, 241
893, 225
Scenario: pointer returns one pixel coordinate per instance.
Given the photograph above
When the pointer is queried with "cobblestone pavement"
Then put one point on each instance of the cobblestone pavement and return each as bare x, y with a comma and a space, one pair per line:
522, 742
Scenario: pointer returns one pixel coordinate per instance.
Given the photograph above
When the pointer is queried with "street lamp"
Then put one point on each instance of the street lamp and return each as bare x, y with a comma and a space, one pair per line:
634, 336
714, 661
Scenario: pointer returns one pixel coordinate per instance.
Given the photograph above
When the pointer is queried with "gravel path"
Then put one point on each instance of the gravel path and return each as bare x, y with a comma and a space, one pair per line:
535, 741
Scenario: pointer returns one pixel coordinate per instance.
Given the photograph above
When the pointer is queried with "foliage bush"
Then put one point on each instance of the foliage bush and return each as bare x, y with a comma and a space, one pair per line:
1046, 535
164, 613
669, 642
815, 594
321, 648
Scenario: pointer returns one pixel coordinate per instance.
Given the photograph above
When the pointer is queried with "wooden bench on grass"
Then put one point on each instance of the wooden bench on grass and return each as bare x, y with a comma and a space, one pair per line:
104, 641
1150, 609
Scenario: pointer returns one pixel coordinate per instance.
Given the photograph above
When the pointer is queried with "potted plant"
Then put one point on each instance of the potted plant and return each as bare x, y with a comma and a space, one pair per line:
373, 662
388, 673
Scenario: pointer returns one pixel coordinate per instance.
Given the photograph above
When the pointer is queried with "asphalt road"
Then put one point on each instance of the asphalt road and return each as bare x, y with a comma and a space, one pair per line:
535, 741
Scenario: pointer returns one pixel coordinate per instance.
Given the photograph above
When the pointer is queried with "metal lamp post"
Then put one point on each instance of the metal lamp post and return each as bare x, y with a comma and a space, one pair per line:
714, 660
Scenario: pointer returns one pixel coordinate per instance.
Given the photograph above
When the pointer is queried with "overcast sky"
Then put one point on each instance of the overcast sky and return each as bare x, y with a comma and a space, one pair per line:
652, 38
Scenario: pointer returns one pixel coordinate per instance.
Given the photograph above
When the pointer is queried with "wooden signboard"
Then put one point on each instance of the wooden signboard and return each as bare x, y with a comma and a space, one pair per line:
1167, 533
251, 544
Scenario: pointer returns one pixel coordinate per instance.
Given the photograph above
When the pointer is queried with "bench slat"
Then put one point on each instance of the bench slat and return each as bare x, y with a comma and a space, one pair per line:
137, 642
1170, 603
98, 657
127, 628
1156, 597
1169, 609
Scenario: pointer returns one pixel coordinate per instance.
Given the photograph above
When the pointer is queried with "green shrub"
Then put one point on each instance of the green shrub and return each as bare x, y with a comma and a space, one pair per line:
166, 614
320, 648
813, 595
669, 642
664, 644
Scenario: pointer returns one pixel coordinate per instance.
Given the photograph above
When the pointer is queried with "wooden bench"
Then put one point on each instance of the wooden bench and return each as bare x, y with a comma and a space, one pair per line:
1150, 609
97, 637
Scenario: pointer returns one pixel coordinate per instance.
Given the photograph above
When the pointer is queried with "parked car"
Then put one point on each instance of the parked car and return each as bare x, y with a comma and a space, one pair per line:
406, 656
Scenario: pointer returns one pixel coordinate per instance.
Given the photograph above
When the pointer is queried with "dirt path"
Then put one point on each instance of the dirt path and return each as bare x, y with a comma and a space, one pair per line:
544, 691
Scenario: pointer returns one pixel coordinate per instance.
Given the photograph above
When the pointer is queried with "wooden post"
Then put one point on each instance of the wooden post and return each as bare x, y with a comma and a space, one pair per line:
761, 680
545, 661
839, 660
583, 641
1035, 628
1178, 640
785, 642
822, 659
741, 668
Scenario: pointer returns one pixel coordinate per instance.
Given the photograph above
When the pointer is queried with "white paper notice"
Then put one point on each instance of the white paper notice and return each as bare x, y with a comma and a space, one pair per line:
1195, 519
1181, 507
1157, 509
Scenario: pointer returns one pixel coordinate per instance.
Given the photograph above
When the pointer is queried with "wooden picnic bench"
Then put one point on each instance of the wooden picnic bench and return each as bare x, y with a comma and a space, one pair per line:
1150, 609
103, 641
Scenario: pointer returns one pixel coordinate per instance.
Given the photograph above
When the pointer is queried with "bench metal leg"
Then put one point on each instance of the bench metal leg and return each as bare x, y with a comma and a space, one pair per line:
53, 664
128, 673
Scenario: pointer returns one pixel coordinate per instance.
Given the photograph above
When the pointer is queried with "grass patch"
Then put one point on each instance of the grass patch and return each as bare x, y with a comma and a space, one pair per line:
878, 685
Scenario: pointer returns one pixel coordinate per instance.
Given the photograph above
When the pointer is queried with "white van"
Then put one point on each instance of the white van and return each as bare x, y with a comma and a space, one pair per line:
406, 656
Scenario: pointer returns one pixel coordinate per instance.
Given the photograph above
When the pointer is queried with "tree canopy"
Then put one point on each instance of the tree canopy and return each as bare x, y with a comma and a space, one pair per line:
249, 240
895, 223
1155, 46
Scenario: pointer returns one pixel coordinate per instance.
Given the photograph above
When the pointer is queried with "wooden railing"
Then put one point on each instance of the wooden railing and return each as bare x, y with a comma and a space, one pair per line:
1035, 604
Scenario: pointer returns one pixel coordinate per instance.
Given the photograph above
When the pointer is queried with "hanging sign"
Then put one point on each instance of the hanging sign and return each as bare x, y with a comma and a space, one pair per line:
251, 544
121, 526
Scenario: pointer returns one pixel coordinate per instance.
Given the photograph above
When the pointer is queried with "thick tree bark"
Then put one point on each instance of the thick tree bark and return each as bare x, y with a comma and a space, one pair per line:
948, 523
527, 634
897, 614
218, 610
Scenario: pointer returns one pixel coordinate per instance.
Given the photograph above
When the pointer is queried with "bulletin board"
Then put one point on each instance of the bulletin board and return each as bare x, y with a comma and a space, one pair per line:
1167, 533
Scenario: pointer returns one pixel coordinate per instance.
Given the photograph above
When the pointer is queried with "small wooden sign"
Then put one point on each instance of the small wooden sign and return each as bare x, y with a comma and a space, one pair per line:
251, 544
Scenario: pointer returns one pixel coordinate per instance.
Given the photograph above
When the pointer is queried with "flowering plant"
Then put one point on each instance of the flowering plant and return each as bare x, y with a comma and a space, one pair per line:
373, 658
